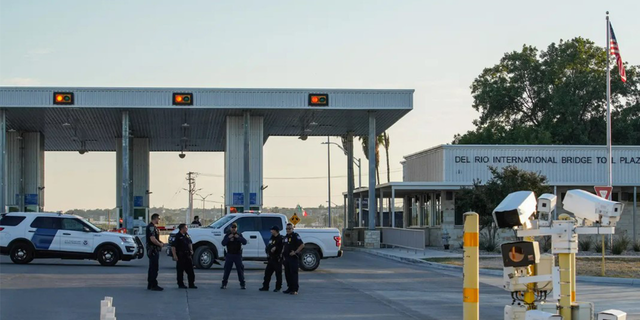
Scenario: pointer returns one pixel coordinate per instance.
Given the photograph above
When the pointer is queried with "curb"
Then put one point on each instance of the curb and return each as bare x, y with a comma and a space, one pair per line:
493, 272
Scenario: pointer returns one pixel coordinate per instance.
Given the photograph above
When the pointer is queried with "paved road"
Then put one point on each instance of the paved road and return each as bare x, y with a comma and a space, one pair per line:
357, 286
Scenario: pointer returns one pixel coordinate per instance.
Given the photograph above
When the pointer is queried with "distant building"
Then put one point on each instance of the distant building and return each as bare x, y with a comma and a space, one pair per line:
432, 177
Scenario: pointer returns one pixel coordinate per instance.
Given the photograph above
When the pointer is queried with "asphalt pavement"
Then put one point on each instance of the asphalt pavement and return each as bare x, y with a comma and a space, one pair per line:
356, 286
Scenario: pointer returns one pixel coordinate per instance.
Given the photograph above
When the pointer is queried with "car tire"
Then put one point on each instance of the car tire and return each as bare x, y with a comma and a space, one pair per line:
108, 255
309, 259
21, 253
203, 257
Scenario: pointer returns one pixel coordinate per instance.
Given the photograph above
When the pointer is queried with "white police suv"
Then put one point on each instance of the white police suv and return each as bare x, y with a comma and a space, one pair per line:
28, 235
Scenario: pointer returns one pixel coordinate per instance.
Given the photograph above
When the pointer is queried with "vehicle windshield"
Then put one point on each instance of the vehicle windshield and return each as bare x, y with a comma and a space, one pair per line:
91, 225
220, 222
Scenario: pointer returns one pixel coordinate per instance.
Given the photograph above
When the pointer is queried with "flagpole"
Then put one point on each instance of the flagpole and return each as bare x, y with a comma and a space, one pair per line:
609, 158
609, 153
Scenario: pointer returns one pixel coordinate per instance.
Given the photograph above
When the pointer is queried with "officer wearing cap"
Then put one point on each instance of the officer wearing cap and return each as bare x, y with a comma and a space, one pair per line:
274, 260
292, 246
234, 242
182, 250
153, 252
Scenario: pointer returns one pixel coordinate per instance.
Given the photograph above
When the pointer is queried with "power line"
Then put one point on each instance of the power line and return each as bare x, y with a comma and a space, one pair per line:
319, 177
210, 175
295, 178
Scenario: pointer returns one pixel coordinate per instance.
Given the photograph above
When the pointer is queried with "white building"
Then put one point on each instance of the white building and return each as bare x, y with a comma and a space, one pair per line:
431, 178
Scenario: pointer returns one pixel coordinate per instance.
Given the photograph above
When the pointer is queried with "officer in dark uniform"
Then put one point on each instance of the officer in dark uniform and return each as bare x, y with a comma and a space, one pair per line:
182, 250
274, 264
234, 242
153, 252
196, 221
292, 246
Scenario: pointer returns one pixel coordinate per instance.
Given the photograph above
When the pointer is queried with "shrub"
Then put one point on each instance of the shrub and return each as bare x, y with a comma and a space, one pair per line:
488, 245
585, 244
598, 244
545, 244
636, 246
620, 244
489, 239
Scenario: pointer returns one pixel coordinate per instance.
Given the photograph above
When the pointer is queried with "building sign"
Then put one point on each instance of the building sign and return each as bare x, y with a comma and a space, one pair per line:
511, 159
365, 202
30, 199
138, 201
238, 198
562, 165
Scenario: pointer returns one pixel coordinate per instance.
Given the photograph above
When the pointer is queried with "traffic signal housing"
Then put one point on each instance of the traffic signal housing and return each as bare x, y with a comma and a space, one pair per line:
183, 99
318, 100
63, 98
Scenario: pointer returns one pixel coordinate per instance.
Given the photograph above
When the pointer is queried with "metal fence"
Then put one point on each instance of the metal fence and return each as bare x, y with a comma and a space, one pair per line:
405, 238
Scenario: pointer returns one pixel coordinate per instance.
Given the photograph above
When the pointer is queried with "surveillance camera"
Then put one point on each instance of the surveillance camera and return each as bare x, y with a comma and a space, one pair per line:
182, 155
612, 314
540, 315
303, 137
546, 205
82, 151
515, 210
587, 206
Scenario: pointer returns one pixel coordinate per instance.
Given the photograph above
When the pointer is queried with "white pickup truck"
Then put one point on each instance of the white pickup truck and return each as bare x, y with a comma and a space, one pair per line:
321, 243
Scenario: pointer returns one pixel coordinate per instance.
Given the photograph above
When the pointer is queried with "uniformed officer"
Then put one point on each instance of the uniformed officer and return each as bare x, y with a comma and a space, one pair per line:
182, 250
196, 221
234, 242
153, 252
274, 260
292, 246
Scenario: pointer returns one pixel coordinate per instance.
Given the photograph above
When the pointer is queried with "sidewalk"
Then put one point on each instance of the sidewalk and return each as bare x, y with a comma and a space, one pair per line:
417, 256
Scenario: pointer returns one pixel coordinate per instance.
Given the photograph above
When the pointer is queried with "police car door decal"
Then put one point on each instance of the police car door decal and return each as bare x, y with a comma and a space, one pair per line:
43, 238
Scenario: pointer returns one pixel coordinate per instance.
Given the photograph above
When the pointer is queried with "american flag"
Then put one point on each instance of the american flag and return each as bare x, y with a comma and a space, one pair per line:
615, 50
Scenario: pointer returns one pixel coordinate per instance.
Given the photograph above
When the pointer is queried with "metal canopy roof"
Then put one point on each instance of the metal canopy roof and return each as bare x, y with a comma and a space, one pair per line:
96, 116
406, 188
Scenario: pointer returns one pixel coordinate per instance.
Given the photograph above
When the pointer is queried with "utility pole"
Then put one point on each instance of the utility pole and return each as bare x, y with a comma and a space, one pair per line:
191, 179
329, 178
204, 199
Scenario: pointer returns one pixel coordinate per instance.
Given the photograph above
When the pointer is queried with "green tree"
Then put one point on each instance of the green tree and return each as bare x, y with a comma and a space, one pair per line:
387, 143
483, 198
557, 96
365, 149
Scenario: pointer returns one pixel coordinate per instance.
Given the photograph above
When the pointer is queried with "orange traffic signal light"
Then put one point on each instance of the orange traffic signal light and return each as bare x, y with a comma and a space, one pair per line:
63, 98
318, 100
183, 99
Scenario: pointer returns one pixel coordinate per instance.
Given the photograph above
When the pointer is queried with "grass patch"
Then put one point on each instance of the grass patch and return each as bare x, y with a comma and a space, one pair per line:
587, 266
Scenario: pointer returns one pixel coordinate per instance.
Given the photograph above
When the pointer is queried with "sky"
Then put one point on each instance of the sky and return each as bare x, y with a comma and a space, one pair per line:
434, 47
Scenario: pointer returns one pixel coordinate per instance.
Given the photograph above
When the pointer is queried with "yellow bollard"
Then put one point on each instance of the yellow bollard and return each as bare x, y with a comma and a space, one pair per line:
470, 292
565, 285
530, 295
573, 277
